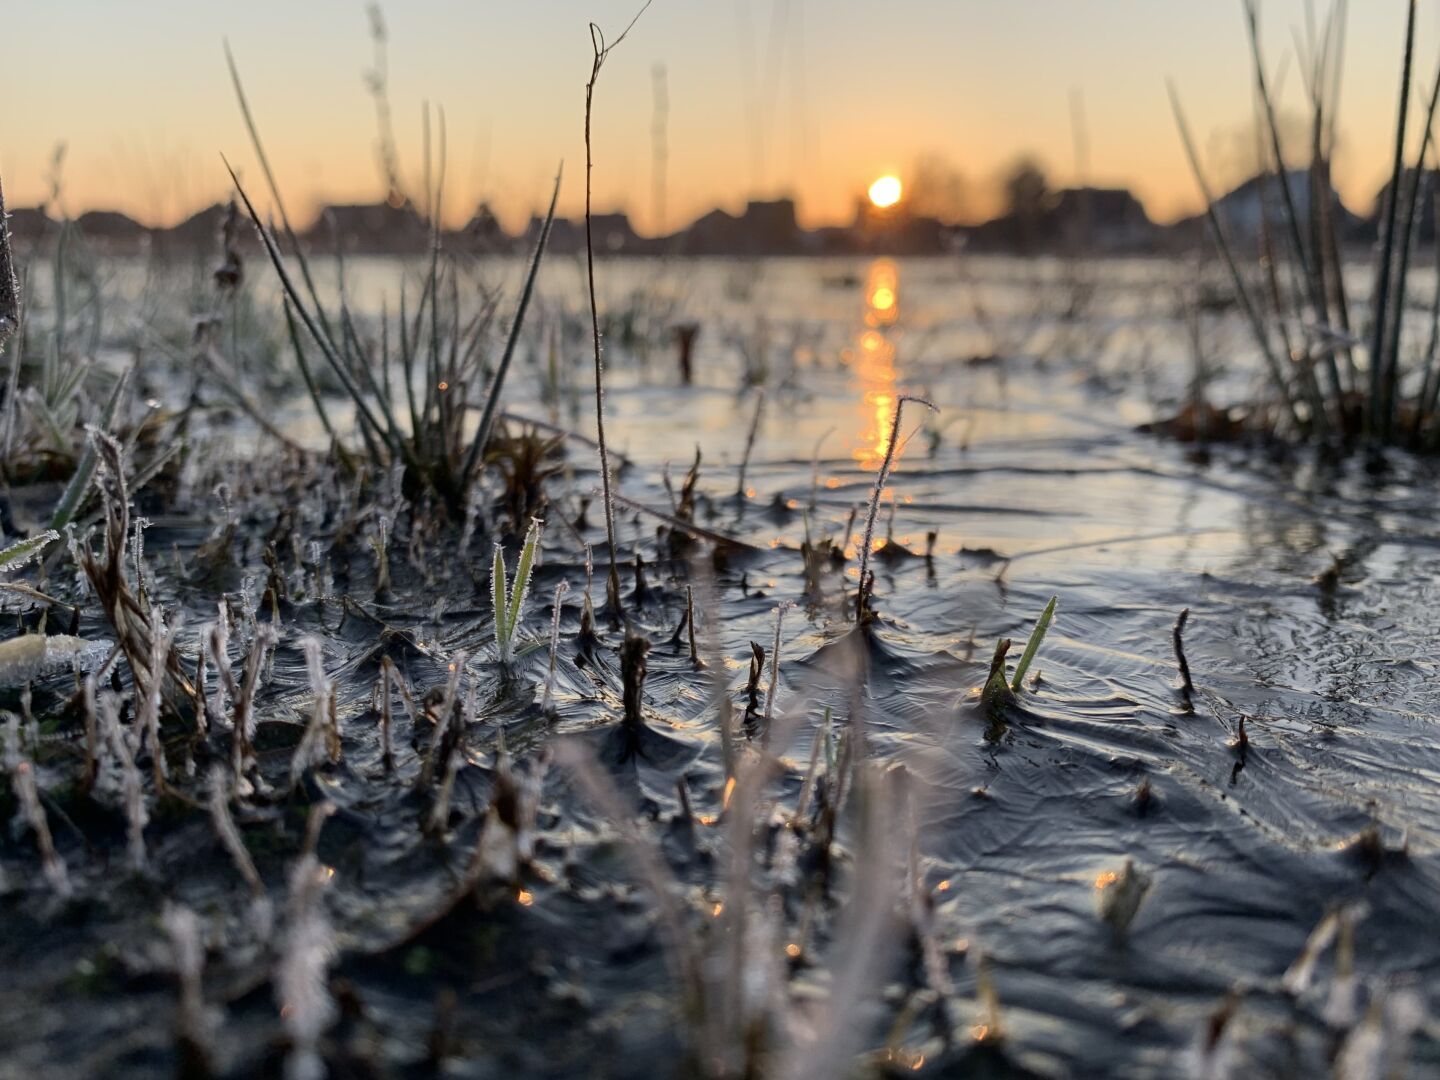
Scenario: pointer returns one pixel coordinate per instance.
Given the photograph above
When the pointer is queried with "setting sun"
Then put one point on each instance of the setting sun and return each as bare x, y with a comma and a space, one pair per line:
885, 191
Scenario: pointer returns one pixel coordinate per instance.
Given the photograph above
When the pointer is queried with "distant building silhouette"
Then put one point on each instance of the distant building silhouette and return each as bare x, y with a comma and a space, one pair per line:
1261, 199
370, 229
199, 234
765, 227
111, 230
1429, 183
1086, 220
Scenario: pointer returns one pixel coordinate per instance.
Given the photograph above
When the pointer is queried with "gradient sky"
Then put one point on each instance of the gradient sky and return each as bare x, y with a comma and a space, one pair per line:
839, 92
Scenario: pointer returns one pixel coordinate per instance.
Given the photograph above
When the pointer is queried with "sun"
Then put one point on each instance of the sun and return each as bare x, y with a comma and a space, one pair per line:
885, 191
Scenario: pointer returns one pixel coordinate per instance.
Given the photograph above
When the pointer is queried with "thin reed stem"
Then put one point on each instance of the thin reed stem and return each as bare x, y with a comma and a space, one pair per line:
601, 51
1395, 322
861, 598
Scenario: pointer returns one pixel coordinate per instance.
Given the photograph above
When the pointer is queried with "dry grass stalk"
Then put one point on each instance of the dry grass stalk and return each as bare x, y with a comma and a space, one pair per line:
862, 597
152, 663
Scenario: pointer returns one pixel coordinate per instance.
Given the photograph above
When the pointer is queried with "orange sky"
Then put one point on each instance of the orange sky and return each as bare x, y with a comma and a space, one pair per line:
803, 97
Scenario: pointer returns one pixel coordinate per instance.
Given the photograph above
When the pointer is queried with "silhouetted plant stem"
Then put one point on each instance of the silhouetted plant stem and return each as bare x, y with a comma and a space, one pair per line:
601, 50
750, 442
1395, 322
862, 597
1378, 364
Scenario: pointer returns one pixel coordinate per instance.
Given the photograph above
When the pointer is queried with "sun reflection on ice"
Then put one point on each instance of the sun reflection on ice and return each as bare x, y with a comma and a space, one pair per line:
873, 363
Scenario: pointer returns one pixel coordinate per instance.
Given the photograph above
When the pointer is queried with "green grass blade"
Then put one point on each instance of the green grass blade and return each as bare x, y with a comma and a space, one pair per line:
498, 591
1033, 645
520, 587
23, 551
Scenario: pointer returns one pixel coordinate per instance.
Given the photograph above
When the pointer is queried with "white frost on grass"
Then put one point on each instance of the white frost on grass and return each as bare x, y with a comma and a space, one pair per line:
33, 656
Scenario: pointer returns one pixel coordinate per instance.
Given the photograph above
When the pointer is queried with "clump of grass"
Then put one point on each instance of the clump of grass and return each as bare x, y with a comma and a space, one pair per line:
730, 971
509, 596
129, 613
42, 434
1316, 396
438, 347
